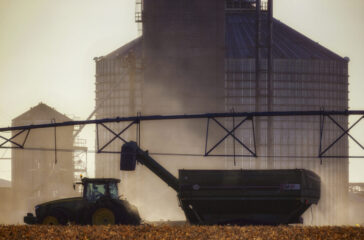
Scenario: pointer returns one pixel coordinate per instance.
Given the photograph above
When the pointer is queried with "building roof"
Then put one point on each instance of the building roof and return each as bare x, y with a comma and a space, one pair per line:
4, 183
240, 41
42, 113
288, 43
135, 45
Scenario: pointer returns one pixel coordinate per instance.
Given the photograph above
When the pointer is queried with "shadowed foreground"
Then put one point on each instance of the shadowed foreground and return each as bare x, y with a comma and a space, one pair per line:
179, 232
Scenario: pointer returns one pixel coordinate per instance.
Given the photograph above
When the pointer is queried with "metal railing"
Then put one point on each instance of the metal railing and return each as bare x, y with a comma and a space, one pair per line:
240, 5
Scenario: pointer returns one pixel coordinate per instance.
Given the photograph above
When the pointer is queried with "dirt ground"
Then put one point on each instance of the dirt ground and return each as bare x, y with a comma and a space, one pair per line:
9, 232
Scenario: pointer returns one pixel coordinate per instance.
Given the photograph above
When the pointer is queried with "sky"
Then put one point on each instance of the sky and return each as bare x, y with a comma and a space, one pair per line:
47, 49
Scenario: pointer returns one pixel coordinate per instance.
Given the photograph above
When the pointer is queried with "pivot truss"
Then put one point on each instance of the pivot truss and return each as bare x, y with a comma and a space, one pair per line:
210, 117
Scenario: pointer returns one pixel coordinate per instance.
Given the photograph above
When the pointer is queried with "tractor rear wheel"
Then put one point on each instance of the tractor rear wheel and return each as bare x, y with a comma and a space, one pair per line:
103, 216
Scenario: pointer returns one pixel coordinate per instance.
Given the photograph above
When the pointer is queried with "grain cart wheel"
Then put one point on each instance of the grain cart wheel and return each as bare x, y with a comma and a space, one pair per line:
103, 216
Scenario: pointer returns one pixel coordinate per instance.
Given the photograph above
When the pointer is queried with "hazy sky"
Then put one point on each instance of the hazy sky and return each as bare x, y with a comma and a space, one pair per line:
47, 49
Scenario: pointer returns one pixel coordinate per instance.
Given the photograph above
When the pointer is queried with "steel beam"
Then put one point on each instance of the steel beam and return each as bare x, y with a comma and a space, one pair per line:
15, 143
229, 133
186, 116
345, 132
209, 116
116, 135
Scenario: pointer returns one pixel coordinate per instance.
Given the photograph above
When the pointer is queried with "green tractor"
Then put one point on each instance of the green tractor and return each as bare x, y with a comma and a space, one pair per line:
100, 205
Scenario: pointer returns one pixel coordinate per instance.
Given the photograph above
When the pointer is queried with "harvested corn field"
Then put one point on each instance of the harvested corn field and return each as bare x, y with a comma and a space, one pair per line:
179, 232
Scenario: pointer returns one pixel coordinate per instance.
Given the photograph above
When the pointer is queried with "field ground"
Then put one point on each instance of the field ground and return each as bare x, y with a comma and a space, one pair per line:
9, 232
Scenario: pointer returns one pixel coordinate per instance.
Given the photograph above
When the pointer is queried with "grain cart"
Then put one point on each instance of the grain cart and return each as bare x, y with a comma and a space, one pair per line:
237, 197
100, 204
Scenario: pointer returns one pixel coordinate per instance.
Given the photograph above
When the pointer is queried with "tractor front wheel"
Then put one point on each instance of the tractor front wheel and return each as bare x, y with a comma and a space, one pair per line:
54, 217
103, 216
50, 220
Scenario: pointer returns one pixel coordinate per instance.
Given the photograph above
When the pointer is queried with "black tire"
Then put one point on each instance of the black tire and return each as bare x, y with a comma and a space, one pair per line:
128, 214
120, 216
54, 217
101, 213
123, 213
103, 216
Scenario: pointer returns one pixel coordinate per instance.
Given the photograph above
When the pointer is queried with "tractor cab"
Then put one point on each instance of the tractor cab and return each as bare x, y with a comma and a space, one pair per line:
96, 188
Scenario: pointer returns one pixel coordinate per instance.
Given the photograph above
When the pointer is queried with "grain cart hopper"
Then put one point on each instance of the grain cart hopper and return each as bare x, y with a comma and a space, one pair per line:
234, 196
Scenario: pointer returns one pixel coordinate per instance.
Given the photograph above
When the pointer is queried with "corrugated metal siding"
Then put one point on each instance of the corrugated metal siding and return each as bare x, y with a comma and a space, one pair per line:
298, 84
306, 76
112, 92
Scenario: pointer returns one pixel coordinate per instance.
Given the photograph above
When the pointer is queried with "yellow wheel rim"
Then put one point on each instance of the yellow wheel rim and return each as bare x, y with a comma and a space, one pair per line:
50, 220
103, 216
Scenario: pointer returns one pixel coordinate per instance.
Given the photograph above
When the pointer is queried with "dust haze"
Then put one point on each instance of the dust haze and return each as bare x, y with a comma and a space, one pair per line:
186, 70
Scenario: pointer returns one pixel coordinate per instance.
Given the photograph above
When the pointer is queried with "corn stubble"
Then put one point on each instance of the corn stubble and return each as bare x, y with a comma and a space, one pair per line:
179, 232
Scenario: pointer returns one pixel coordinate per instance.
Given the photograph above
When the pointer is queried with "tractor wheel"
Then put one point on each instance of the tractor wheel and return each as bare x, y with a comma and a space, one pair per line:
50, 220
129, 218
103, 216
54, 218
128, 214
